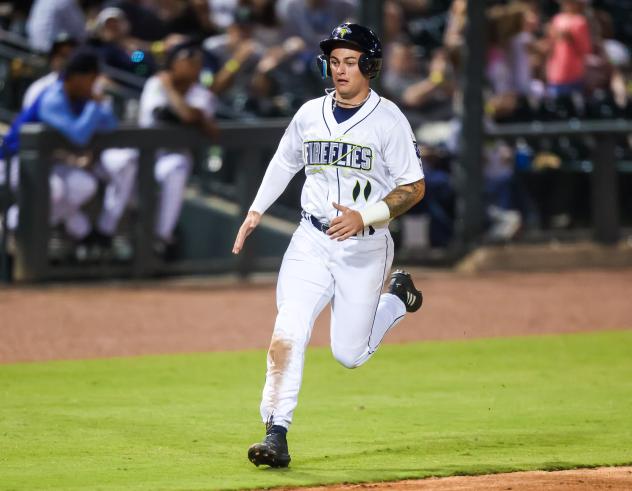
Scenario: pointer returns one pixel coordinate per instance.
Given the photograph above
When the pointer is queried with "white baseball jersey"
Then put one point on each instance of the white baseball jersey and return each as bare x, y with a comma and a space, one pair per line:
37, 87
355, 163
155, 96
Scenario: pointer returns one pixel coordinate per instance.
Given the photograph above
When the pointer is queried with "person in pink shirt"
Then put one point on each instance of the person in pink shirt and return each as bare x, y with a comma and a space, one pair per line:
570, 43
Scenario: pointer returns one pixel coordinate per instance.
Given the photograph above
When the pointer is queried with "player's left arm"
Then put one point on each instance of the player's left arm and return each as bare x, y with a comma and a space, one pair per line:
404, 197
397, 202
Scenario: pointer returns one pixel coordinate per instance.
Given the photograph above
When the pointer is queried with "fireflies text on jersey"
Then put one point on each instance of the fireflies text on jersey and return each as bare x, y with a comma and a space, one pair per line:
340, 154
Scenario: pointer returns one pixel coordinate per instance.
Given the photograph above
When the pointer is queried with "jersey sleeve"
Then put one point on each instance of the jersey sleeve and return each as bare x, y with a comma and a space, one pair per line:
152, 97
55, 112
202, 99
285, 163
402, 154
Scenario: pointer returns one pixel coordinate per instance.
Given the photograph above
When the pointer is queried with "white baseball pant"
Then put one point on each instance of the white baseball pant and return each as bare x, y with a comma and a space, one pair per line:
171, 170
118, 167
315, 271
70, 189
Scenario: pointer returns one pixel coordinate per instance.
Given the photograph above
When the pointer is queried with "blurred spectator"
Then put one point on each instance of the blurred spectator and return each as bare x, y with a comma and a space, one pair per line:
425, 21
173, 96
60, 52
508, 67
49, 18
13, 15
393, 23
222, 12
523, 53
233, 58
569, 44
619, 57
437, 88
285, 76
312, 20
144, 23
192, 18
401, 68
428, 89
117, 48
505, 220
431, 222
267, 27
70, 107
283, 80
454, 31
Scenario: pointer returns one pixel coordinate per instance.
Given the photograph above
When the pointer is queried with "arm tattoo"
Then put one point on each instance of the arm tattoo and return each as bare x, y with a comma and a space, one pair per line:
404, 197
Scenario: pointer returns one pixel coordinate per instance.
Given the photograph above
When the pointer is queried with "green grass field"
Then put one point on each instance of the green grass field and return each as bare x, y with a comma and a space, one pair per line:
417, 410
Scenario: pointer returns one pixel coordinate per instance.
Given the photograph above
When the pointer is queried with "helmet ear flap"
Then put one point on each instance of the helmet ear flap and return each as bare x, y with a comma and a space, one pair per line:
369, 66
323, 66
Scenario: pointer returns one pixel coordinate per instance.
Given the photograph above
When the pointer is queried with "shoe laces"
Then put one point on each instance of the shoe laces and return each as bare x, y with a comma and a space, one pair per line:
269, 423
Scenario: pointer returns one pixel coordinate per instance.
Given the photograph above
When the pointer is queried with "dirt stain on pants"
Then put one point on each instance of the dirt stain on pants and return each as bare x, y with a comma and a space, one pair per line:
278, 359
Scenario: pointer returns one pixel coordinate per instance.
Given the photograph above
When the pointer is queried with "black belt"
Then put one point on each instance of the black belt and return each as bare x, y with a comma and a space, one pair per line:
315, 222
324, 227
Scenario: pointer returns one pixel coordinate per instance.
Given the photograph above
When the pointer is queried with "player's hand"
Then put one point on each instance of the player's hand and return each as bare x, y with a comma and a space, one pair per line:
245, 50
346, 225
166, 80
250, 223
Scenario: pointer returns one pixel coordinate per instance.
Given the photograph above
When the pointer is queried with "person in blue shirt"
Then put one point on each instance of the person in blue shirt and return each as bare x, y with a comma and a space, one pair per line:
70, 107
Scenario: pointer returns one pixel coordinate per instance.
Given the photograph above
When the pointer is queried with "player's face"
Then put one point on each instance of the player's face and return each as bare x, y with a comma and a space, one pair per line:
79, 86
349, 81
188, 70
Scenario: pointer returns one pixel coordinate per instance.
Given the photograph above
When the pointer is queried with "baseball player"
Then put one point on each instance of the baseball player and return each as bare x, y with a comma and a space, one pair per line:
70, 107
363, 169
173, 96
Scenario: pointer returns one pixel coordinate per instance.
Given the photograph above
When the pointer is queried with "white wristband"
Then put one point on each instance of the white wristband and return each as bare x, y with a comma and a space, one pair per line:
375, 213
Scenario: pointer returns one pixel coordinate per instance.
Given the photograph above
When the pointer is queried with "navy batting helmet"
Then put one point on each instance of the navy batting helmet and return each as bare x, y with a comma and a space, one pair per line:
359, 37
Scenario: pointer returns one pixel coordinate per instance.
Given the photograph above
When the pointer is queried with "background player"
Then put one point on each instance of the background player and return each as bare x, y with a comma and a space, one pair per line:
173, 96
362, 169
69, 106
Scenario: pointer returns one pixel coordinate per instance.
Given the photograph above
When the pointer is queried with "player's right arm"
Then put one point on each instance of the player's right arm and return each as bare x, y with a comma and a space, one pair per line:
178, 103
287, 161
79, 129
250, 223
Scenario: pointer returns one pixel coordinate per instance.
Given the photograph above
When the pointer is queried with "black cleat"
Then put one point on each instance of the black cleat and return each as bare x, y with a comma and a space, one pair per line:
402, 286
271, 451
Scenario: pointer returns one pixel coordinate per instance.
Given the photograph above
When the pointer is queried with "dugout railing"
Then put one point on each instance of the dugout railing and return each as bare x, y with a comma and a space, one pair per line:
248, 143
603, 166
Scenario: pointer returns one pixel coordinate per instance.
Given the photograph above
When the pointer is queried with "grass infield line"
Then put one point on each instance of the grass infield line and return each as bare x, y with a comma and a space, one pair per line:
184, 422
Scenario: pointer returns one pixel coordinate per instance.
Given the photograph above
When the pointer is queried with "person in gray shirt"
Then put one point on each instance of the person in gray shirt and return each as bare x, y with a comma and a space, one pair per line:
311, 20
48, 18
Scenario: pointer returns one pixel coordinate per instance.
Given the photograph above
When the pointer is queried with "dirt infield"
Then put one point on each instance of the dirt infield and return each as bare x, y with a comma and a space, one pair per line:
71, 322
88, 321
610, 478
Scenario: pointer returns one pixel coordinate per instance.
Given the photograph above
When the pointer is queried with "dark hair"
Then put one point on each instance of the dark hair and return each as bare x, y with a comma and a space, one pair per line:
81, 62
244, 16
61, 41
186, 50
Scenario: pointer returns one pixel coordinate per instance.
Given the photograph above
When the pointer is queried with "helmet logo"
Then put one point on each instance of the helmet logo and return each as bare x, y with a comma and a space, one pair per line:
343, 31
